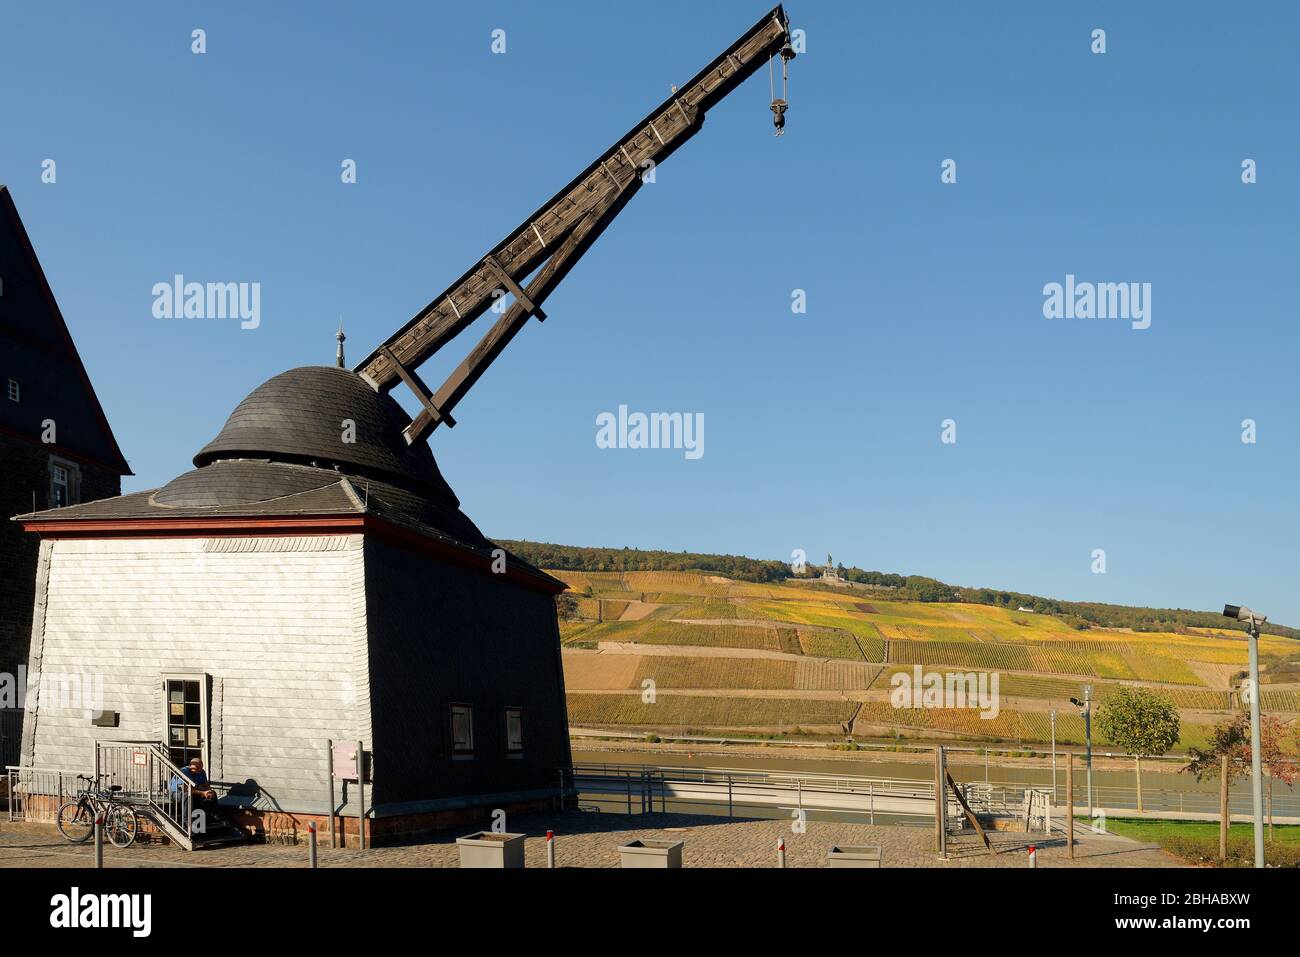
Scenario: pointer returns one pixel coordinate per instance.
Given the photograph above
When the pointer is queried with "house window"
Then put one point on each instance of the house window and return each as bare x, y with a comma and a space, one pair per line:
15, 394
514, 732
185, 718
65, 483
462, 731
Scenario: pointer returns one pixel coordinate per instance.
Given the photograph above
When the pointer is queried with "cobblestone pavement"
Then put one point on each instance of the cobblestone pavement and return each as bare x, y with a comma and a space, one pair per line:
592, 840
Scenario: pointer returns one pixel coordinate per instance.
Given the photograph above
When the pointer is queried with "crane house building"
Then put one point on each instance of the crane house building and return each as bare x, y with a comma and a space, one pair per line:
313, 579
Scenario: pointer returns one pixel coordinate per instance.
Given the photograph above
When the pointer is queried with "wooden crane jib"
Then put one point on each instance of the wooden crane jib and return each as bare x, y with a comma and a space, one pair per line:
551, 241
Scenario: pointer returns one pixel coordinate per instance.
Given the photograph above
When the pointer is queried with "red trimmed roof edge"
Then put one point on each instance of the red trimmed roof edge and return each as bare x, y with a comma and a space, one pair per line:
242, 527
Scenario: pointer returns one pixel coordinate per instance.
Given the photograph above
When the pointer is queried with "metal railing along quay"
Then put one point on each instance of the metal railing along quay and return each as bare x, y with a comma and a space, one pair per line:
638, 789
641, 789
1285, 802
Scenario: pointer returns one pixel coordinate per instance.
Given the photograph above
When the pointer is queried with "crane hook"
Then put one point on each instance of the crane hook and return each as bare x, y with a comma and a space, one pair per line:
778, 119
780, 105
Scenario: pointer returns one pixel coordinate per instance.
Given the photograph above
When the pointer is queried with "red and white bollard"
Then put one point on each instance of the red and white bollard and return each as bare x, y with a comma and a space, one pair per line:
550, 849
1033, 856
780, 852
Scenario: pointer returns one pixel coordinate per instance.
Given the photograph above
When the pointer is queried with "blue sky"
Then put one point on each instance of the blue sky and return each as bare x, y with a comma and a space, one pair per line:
823, 429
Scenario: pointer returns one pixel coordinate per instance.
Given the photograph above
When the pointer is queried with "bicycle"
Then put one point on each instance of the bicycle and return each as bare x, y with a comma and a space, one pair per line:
76, 818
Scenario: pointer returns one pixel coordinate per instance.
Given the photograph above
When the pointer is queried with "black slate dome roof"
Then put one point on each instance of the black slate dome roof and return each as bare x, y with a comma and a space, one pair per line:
281, 456
297, 417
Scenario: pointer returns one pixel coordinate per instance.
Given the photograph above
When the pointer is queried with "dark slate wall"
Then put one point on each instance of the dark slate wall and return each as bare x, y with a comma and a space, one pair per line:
441, 633
36, 350
24, 469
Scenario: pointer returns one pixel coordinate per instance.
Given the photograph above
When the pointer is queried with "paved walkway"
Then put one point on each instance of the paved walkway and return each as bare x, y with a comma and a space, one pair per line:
592, 840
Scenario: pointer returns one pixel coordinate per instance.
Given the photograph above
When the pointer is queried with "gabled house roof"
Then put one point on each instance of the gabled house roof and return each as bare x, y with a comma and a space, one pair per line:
37, 351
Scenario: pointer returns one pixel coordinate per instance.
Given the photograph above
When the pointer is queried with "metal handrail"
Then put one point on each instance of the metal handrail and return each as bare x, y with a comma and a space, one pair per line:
151, 779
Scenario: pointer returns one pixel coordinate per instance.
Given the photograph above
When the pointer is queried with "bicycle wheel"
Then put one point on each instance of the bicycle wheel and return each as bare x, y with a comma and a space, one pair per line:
123, 826
76, 821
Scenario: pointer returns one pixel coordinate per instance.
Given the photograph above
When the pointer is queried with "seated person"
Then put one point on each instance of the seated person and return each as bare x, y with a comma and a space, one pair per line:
196, 779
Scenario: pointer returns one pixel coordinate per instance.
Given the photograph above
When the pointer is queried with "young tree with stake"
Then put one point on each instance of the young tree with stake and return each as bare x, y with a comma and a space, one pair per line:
1141, 722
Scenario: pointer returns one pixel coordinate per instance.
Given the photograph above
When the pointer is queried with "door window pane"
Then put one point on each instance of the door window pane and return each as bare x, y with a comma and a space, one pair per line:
184, 720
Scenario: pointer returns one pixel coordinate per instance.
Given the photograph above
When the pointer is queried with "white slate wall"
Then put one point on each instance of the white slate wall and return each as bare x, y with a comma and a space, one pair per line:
278, 624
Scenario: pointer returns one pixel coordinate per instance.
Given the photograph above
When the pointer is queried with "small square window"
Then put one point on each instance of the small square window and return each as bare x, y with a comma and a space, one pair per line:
65, 481
59, 491
462, 730
514, 731
15, 395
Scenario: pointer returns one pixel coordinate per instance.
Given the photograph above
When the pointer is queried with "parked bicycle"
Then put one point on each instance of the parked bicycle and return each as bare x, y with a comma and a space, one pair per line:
76, 818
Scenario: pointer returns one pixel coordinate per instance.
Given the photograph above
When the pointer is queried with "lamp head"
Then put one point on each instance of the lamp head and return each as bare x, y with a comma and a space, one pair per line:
1241, 613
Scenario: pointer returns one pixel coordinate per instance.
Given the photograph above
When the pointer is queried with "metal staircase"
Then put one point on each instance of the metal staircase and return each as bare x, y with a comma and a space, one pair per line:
156, 788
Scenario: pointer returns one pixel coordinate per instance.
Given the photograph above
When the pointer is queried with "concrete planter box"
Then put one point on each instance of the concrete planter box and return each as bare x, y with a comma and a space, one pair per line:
485, 849
651, 854
852, 856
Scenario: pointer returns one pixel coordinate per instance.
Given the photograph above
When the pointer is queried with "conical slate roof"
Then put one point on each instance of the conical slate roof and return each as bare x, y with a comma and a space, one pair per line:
308, 415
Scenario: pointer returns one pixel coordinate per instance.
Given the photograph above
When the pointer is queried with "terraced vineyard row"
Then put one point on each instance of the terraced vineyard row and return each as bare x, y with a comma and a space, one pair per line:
601, 608
711, 609
833, 676
829, 644
1013, 726
652, 631
1005, 725
700, 712
1198, 699
586, 671
1280, 700
647, 581
1223, 651
670, 672
1023, 686
961, 654
681, 598
1118, 661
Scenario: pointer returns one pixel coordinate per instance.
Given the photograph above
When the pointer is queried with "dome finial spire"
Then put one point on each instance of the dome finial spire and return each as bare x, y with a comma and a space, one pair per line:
338, 356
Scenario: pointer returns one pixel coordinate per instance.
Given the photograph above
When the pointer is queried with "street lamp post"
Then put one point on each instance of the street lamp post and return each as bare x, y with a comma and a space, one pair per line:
1087, 733
1085, 712
1253, 621
1053, 755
